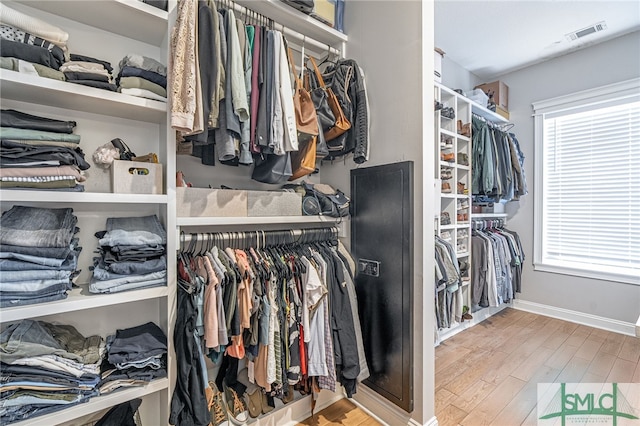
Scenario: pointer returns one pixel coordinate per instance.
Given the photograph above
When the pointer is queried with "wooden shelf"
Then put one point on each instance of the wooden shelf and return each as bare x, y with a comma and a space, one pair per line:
45, 91
129, 18
79, 299
96, 404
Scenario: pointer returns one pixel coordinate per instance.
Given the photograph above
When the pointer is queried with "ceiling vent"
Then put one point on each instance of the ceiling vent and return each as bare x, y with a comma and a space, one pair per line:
600, 26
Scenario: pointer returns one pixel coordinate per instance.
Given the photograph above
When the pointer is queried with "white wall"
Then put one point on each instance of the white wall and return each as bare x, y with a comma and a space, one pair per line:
610, 62
387, 40
455, 76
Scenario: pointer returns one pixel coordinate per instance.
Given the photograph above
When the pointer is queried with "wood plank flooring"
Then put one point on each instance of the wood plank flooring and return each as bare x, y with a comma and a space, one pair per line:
488, 374
343, 412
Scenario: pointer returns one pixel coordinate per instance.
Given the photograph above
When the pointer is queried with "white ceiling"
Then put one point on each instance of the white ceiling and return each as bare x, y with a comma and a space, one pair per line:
491, 38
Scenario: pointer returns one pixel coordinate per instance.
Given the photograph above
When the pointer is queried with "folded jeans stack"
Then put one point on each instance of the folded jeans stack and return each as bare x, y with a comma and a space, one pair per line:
46, 368
132, 255
135, 356
142, 77
40, 153
89, 71
38, 255
30, 45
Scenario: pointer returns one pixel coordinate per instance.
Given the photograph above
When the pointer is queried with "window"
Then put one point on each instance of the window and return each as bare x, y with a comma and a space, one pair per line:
587, 195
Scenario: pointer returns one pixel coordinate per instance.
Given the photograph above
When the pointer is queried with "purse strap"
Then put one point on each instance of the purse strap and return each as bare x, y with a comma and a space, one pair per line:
293, 69
317, 71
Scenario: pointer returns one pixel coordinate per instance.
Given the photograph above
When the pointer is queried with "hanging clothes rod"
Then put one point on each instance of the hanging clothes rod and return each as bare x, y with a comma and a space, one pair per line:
258, 239
503, 127
480, 224
302, 38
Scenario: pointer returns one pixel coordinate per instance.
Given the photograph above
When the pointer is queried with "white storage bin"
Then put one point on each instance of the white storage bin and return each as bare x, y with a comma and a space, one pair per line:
135, 177
478, 96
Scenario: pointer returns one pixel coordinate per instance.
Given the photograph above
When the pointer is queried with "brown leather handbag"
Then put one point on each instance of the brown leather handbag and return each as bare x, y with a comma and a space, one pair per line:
303, 161
342, 124
306, 118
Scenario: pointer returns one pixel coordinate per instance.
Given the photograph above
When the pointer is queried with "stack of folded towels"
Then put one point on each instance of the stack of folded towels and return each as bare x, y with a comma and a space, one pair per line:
143, 77
46, 368
132, 255
135, 356
89, 71
39, 153
38, 255
30, 45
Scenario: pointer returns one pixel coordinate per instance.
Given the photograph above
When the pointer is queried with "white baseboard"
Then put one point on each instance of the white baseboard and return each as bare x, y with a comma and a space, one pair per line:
432, 422
379, 408
297, 411
577, 317
478, 317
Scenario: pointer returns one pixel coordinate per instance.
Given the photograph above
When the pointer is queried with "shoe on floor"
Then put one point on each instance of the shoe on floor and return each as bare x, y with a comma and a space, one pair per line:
267, 403
236, 408
216, 405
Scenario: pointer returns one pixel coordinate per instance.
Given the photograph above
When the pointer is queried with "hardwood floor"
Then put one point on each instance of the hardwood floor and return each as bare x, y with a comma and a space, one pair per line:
488, 374
343, 412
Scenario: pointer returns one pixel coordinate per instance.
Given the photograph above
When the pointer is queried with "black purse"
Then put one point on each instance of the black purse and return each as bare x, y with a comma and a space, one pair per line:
322, 150
271, 168
305, 6
320, 98
125, 151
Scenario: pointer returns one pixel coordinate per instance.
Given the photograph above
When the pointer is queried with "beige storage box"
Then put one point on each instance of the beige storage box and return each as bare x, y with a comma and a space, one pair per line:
134, 177
205, 202
274, 203
324, 11
500, 93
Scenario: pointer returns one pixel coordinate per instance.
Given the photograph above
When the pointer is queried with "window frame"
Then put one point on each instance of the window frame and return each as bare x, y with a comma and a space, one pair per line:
630, 90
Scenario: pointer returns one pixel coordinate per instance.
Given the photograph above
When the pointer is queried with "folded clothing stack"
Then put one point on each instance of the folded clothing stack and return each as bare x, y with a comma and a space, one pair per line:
30, 45
132, 255
89, 71
38, 255
143, 77
46, 368
135, 356
39, 153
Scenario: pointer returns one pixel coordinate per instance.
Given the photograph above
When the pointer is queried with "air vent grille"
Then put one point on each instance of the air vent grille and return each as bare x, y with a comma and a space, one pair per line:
600, 26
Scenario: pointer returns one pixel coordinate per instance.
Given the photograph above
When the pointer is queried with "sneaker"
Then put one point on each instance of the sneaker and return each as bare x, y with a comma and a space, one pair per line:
463, 159
216, 405
236, 408
446, 188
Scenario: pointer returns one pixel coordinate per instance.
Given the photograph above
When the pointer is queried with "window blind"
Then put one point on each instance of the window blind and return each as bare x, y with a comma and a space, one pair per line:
591, 188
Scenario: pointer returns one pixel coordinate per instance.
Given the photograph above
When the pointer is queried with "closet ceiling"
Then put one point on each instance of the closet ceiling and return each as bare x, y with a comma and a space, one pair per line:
491, 38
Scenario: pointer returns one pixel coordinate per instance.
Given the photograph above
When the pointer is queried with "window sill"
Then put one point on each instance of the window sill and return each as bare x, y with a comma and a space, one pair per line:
577, 272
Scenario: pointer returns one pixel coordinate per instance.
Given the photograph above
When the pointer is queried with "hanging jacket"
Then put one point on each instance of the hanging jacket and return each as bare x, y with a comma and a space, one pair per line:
348, 84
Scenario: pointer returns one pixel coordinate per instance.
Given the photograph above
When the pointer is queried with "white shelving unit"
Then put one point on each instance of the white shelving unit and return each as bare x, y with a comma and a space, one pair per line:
202, 176
456, 202
108, 30
264, 220
446, 128
97, 404
453, 151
